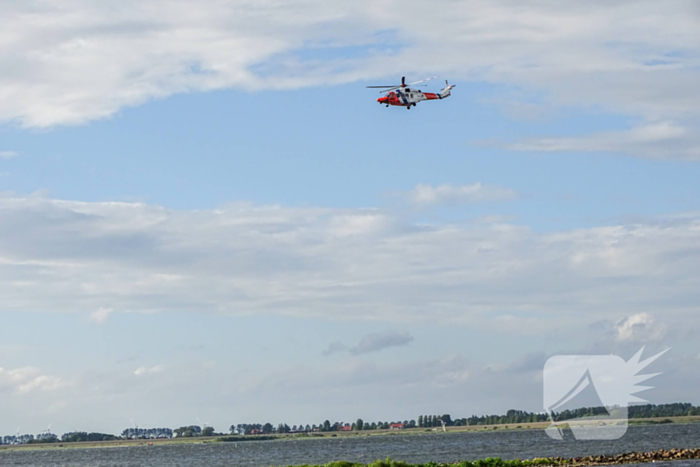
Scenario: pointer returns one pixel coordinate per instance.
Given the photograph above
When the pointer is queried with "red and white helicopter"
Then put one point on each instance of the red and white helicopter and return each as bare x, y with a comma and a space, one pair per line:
404, 96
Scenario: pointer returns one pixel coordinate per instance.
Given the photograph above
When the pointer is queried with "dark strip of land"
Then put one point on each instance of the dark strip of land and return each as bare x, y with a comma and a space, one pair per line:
331, 434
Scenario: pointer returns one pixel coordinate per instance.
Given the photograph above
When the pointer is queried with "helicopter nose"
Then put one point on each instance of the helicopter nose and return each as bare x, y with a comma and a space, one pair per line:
382, 100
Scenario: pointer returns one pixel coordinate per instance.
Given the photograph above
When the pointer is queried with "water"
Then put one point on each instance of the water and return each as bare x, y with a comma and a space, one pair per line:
411, 448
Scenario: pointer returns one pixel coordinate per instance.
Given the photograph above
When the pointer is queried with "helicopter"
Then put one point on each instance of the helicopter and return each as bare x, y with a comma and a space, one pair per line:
403, 96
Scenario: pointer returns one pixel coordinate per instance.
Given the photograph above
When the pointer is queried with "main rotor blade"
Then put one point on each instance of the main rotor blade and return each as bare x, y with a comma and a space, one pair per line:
400, 87
422, 81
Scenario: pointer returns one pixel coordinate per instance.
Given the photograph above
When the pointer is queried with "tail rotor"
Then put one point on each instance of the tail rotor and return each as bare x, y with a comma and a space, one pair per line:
448, 86
445, 92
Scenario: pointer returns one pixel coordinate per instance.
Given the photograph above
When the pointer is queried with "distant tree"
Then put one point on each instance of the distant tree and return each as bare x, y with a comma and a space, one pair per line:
78, 436
188, 431
207, 431
326, 426
44, 438
250, 428
359, 424
74, 437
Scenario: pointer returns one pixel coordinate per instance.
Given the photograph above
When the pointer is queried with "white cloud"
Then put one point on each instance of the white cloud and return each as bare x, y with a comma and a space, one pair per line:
105, 397
7, 154
76, 60
640, 326
100, 316
426, 195
245, 259
29, 379
664, 140
148, 370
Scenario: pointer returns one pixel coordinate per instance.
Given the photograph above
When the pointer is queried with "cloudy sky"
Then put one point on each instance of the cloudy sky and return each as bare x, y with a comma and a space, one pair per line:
205, 214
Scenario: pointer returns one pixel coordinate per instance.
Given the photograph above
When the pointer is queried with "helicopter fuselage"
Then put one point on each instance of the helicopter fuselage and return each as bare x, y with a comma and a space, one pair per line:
403, 95
407, 97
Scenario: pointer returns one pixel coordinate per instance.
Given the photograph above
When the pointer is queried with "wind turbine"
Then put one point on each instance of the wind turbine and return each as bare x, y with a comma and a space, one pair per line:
136, 428
204, 424
443, 425
47, 431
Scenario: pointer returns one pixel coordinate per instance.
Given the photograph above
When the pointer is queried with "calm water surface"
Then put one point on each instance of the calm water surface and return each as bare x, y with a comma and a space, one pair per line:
411, 448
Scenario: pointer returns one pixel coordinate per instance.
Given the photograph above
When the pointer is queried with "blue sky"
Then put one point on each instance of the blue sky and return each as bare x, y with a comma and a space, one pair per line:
211, 198
293, 148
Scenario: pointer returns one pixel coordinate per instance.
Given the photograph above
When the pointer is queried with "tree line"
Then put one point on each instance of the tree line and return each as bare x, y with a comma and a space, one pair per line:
436, 421
423, 421
325, 426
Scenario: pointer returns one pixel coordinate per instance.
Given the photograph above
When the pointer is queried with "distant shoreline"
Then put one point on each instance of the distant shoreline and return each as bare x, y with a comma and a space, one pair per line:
319, 435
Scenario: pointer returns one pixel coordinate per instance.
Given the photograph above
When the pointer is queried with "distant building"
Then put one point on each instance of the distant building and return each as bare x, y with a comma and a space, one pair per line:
397, 426
345, 428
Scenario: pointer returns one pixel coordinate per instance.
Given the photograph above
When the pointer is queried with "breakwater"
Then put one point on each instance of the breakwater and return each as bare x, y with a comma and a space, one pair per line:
660, 455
